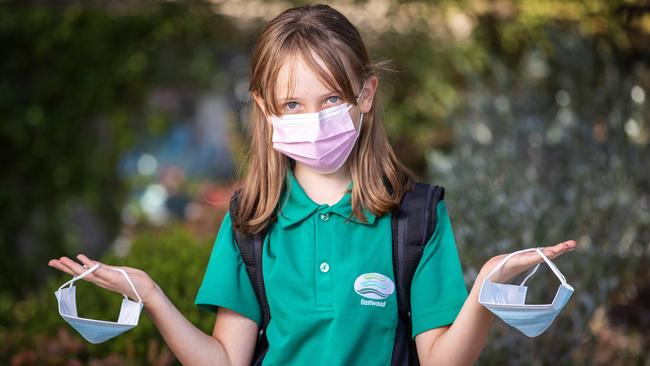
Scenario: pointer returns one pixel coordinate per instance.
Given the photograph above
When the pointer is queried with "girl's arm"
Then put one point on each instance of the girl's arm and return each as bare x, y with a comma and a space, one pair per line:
234, 335
462, 342
232, 342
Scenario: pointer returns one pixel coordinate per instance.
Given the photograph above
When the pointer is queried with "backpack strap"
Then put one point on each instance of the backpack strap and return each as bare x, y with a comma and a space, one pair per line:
413, 223
250, 248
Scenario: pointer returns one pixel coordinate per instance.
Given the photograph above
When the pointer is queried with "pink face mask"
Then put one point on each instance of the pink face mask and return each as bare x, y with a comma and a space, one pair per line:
322, 140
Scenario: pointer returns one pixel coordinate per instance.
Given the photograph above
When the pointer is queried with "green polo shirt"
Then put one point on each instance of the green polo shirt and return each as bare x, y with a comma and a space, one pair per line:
329, 283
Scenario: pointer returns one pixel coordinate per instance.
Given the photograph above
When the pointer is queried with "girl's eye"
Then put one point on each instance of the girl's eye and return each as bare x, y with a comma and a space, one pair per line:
333, 99
292, 105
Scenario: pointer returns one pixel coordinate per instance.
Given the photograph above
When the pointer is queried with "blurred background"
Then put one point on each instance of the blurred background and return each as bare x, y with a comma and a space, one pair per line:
123, 127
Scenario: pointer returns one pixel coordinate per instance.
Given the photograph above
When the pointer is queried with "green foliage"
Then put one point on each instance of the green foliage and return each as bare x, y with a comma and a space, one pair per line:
172, 257
441, 49
532, 168
73, 86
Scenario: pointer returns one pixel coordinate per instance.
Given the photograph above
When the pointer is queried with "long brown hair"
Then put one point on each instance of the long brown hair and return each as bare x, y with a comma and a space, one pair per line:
379, 179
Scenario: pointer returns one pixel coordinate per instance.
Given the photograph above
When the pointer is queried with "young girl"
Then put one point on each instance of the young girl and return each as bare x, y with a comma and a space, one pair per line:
323, 180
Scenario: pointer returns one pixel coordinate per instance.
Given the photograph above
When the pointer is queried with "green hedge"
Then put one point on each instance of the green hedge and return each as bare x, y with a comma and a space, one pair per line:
36, 333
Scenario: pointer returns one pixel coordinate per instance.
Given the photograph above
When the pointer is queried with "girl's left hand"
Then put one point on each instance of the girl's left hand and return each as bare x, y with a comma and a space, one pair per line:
520, 263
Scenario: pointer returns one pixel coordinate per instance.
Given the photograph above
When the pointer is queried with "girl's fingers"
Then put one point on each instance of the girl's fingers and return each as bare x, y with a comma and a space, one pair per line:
55, 263
87, 262
68, 264
101, 272
75, 267
556, 250
531, 258
102, 276
521, 263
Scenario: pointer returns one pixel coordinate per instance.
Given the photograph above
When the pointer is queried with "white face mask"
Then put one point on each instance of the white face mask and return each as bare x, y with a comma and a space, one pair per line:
508, 301
97, 331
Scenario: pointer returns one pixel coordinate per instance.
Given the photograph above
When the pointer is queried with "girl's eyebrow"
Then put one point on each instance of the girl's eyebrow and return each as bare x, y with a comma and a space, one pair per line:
298, 98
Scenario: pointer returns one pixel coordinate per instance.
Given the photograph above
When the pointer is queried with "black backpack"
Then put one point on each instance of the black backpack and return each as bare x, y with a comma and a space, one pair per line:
413, 223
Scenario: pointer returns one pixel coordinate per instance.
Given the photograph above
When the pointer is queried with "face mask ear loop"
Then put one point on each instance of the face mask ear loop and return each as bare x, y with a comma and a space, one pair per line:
530, 274
360, 122
552, 266
361, 93
357, 103
498, 266
501, 264
84, 274
93, 269
130, 283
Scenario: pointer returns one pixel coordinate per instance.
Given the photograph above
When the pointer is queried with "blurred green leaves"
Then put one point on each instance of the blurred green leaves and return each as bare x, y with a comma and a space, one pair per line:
73, 83
173, 257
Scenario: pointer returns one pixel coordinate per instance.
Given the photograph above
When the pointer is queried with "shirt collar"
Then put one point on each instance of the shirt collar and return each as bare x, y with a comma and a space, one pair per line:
297, 206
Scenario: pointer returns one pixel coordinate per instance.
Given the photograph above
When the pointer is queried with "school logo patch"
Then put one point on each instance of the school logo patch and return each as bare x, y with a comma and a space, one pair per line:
374, 286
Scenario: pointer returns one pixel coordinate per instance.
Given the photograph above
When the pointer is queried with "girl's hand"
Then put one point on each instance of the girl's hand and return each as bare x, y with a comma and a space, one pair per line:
107, 278
521, 262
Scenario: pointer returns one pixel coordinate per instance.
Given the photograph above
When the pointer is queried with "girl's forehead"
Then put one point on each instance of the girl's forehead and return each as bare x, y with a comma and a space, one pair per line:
297, 79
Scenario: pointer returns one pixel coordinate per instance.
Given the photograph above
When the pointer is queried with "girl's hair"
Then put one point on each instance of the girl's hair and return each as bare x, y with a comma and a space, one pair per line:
315, 31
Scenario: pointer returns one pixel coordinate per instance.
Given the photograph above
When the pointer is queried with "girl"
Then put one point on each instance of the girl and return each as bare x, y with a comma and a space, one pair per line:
325, 193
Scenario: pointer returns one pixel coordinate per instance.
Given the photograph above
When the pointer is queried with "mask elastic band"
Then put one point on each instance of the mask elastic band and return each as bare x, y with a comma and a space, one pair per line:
541, 253
530, 274
552, 265
93, 269
361, 93
357, 102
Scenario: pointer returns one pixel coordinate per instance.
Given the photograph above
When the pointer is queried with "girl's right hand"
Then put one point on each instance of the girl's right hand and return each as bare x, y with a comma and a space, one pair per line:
107, 278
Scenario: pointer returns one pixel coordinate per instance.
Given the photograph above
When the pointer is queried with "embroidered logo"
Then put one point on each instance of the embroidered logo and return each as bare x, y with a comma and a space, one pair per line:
374, 286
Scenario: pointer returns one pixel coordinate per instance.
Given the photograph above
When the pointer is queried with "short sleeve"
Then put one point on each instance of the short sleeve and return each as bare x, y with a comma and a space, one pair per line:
226, 282
438, 289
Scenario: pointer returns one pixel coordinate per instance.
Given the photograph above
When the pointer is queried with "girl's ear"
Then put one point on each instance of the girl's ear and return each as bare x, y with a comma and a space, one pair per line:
259, 101
368, 94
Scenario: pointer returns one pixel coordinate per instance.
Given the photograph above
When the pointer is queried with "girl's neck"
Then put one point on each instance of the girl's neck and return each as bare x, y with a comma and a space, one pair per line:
323, 188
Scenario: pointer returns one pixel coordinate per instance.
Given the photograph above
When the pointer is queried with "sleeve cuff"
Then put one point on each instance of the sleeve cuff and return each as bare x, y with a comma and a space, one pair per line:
243, 308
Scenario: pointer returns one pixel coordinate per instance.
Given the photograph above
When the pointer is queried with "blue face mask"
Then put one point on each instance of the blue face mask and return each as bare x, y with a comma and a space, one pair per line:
508, 301
97, 331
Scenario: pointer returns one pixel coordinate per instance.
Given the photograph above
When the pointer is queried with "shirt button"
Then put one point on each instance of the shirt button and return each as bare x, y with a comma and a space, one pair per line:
325, 216
324, 267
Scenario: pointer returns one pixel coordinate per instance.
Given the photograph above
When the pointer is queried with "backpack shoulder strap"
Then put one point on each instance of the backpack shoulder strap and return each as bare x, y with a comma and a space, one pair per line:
413, 223
250, 248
